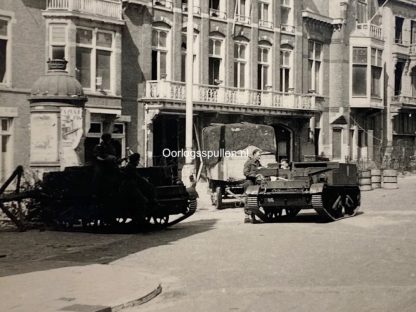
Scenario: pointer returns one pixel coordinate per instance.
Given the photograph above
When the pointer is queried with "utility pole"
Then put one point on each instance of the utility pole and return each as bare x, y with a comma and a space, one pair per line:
188, 168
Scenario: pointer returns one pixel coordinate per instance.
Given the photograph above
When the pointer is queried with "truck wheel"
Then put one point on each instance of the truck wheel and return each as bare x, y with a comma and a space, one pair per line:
218, 197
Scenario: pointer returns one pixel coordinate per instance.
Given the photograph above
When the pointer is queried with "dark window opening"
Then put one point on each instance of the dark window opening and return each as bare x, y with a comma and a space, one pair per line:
398, 73
214, 70
398, 29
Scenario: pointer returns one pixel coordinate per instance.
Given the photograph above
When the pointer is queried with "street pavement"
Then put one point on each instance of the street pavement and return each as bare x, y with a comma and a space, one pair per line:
366, 263
214, 262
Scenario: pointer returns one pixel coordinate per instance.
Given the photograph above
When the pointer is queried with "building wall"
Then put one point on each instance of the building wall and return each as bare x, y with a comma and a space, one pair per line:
27, 63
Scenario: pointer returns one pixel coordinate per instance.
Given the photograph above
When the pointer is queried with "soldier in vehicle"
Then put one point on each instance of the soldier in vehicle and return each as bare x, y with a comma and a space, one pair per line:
106, 171
284, 164
139, 193
251, 168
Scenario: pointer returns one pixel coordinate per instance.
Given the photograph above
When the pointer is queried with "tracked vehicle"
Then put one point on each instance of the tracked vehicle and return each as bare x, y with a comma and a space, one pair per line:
330, 188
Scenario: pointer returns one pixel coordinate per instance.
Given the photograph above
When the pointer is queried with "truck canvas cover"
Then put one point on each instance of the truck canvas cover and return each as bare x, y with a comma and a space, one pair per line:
223, 138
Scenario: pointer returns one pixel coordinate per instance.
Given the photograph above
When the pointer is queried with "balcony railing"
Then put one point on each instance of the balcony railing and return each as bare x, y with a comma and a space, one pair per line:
265, 24
217, 13
370, 30
287, 29
402, 99
163, 3
242, 19
172, 90
107, 8
197, 9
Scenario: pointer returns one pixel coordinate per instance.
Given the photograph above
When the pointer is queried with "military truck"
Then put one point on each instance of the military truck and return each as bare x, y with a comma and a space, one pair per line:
232, 144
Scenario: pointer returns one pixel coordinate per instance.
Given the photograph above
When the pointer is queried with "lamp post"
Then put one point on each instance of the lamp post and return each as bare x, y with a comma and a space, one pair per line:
188, 168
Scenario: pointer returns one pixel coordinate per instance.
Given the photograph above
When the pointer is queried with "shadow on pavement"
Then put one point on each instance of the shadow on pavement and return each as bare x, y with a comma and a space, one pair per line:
36, 250
310, 217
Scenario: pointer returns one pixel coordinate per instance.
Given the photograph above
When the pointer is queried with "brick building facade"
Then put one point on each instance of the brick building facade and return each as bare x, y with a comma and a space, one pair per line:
333, 77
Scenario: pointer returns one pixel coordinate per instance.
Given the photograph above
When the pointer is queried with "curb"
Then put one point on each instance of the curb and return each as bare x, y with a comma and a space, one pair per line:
136, 302
133, 303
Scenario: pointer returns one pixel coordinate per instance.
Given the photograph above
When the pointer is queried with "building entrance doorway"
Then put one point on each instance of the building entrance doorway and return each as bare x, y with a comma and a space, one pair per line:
284, 138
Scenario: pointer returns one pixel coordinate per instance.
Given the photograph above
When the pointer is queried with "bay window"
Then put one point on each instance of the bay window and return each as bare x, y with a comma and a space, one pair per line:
376, 70
359, 71
57, 41
94, 54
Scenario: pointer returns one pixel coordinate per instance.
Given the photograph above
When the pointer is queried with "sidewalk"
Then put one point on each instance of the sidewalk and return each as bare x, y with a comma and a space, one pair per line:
91, 288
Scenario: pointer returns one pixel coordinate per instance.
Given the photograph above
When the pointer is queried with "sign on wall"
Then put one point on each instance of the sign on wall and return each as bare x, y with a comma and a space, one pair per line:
44, 138
71, 136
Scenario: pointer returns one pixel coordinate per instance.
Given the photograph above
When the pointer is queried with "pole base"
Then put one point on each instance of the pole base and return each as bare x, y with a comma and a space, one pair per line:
187, 171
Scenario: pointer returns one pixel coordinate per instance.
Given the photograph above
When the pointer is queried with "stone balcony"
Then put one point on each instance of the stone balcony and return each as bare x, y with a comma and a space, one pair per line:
109, 9
403, 100
170, 91
369, 31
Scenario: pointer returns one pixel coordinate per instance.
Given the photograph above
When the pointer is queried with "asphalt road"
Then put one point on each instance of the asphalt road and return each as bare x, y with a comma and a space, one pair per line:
365, 263
215, 262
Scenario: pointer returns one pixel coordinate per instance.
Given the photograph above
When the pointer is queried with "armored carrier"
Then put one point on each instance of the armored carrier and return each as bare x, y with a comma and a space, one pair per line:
330, 188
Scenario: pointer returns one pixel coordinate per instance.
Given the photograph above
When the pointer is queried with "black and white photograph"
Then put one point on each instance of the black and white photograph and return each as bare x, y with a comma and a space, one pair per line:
208, 155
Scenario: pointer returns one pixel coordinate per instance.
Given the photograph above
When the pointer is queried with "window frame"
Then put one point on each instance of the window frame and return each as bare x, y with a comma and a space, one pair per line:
286, 67
238, 61
160, 49
378, 64
8, 59
58, 44
93, 57
195, 57
220, 56
9, 133
264, 65
265, 21
312, 71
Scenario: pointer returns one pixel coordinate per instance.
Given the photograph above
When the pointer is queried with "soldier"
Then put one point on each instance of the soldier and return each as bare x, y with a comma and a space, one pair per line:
251, 168
106, 172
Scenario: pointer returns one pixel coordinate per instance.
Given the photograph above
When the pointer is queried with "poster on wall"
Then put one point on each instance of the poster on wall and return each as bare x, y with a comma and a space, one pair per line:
44, 138
71, 136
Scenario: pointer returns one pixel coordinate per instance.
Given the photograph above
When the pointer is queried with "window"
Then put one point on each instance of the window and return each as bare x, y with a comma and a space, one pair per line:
4, 50
398, 30
57, 41
197, 6
314, 66
94, 55
265, 19
412, 32
413, 81
159, 53
376, 69
242, 11
263, 68
286, 13
240, 65
359, 71
336, 143
398, 75
285, 66
195, 58
6, 155
217, 8
215, 61
362, 15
